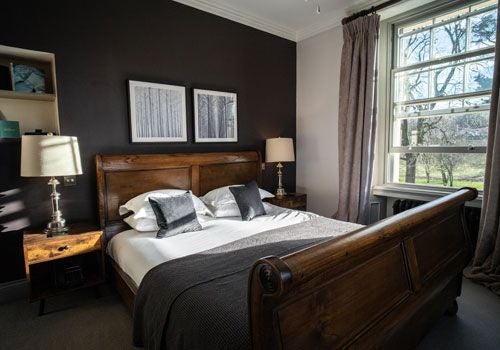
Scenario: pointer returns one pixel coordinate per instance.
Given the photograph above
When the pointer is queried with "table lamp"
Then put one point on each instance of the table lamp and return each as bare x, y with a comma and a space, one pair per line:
279, 150
51, 156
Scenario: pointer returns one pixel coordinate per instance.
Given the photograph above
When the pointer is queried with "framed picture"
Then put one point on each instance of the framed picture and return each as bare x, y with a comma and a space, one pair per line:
157, 112
215, 116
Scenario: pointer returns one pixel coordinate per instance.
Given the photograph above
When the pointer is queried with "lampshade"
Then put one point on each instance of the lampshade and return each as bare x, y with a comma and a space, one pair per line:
50, 156
279, 150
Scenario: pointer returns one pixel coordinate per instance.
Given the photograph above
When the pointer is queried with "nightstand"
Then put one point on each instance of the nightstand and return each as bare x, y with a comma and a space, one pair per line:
61, 264
296, 201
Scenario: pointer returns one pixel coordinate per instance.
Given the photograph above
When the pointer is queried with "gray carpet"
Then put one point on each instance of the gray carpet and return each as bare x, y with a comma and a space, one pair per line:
476, 325
74, 321
79, 321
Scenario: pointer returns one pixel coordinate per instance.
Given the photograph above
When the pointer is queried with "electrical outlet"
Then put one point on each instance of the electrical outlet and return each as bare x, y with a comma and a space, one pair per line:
263, 166
69, 181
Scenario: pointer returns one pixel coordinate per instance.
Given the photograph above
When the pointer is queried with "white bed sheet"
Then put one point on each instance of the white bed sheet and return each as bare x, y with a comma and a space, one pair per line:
138, 252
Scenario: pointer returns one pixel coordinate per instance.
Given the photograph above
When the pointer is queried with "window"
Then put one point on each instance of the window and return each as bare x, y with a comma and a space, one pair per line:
441, 81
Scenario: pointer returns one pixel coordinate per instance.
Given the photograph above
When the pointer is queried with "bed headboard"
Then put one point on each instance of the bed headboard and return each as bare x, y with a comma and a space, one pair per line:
122, 177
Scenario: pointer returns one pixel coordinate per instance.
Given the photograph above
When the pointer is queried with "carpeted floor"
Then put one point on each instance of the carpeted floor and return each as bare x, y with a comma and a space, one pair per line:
75, 321
79, 321
476, 326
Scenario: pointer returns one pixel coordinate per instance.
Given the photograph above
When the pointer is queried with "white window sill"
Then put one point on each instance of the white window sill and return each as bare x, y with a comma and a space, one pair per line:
419, 193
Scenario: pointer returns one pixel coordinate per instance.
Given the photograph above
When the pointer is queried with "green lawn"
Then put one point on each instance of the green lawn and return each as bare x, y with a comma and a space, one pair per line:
468, 172
434, 182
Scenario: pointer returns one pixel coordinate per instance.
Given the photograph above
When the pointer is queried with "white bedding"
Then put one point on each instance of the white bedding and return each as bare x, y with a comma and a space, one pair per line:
138, 252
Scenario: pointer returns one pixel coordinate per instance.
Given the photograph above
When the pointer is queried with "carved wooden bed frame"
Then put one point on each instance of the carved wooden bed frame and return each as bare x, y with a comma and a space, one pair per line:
380, 286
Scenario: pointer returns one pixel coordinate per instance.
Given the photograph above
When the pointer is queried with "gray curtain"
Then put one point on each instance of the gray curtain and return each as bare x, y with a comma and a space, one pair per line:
357, 112
486, 264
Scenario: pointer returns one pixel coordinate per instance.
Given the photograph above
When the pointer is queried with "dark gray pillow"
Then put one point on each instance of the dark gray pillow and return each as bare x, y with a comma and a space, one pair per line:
248, 200
174, 215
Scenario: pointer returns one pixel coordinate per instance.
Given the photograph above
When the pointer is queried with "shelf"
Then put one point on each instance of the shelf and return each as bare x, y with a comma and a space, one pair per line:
10, 140
44, 292
42, 276
27, 95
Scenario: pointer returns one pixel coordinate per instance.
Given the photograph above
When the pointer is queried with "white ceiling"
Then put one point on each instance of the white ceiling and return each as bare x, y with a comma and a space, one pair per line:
291, 19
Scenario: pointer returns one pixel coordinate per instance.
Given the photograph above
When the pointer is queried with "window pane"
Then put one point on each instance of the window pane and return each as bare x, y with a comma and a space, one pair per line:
410, 110
447, 79
480, 75
442, 106
445, 105
483, 30
477, 101
449, 39
439, 169
412, 86
446, 130
483, 5
451, 15
414, 48
415, 26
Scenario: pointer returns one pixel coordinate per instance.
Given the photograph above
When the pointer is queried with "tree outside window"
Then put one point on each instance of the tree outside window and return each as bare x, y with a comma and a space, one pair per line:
441, 83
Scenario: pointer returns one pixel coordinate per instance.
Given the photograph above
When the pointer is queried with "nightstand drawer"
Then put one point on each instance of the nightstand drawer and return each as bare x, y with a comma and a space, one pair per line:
61, 247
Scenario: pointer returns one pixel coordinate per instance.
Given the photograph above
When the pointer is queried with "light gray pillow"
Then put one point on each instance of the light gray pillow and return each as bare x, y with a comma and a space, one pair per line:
248, 200
174, 215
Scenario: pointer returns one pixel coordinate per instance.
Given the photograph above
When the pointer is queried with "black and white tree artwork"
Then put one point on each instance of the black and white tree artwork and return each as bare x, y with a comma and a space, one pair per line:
215, 116
157, 112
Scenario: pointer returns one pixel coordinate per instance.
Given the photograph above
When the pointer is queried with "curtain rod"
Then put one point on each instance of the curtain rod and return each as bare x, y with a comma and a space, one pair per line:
370, 10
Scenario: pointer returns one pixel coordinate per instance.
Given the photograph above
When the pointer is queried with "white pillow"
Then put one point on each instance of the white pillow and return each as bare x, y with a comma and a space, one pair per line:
148, 224
231, 209
141, 208
226, 210
222, 195
222, 203
142, 224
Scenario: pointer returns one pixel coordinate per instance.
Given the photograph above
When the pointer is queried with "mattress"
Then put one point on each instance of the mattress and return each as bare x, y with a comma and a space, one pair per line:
138, 252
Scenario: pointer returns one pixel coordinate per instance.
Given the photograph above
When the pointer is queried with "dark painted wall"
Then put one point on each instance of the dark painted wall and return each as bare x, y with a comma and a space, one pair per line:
101, 44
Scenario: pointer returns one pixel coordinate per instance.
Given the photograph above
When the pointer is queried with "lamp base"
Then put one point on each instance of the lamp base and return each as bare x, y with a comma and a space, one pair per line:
57, 226
56, 229
280, 192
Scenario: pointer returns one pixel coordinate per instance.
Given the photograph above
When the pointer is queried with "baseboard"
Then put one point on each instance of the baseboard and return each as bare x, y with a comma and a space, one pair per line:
13, 290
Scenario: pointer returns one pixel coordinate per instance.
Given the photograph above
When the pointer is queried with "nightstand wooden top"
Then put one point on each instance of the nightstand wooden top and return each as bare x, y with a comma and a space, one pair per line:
293, 194
292, 200
34, 236
40, 248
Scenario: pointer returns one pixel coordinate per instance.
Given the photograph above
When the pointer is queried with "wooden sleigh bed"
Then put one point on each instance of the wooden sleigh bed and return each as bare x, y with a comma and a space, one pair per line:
382, 286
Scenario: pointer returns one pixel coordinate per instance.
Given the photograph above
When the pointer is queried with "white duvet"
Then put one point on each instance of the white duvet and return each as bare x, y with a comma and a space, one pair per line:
138, 252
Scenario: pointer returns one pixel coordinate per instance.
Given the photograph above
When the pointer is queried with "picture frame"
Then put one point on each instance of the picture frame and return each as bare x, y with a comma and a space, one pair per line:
215, 116
157, 112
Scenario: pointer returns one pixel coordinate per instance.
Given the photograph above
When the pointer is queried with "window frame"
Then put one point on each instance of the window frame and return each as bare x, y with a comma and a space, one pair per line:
388, 57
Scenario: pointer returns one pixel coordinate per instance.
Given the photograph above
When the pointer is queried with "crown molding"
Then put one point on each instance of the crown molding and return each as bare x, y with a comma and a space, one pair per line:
318, 27
335, 20
242, 17
257, 22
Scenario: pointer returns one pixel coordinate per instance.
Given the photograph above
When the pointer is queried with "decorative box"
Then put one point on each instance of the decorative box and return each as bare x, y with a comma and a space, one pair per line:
9, 129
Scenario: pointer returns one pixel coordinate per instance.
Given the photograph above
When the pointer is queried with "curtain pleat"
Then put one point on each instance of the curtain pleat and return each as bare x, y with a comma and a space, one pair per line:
357, 118
486, 263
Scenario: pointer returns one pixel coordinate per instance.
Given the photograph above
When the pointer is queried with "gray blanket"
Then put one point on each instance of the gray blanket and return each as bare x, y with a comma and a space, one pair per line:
200, 301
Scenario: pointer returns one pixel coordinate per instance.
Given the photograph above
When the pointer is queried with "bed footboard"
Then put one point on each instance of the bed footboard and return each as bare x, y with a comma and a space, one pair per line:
380, 286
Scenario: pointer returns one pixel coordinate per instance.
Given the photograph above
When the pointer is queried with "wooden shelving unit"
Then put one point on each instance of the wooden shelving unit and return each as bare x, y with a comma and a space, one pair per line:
9, 140
27, 96
31, 110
